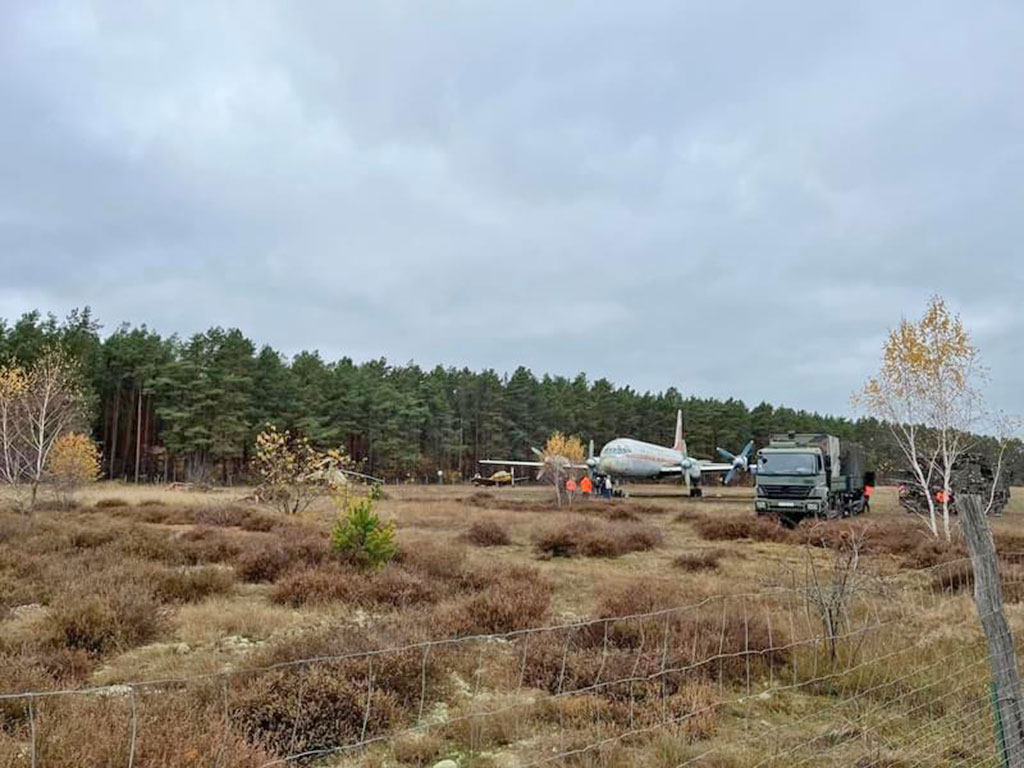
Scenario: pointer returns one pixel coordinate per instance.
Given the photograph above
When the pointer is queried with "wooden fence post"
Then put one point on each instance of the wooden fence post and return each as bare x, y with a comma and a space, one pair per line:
988, 596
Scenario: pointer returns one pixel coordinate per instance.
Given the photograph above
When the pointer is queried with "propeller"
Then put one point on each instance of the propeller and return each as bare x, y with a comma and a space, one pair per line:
591, 461
686, 466
740, 462
540, 455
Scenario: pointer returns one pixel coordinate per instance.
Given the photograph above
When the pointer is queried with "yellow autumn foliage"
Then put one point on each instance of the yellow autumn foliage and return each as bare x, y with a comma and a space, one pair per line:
566, 447
74, 461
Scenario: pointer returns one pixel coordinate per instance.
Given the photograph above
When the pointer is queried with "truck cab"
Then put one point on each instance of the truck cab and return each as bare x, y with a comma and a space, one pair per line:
809, 475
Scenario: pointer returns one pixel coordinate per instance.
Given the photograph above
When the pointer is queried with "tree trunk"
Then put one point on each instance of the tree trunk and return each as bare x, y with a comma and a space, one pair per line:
138, 432
113, 431
988, 596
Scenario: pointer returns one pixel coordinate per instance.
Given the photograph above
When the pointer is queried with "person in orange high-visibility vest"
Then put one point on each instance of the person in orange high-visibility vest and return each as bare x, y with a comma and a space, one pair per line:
570, 486
942, 497
586, 486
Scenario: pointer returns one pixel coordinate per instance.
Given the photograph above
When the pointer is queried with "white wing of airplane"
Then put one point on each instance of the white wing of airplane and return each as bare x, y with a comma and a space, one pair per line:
703, 464
537, 464
713, 466
504, 463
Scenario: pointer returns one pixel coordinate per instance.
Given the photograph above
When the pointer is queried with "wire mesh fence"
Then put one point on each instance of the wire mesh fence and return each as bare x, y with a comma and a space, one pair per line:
891, 671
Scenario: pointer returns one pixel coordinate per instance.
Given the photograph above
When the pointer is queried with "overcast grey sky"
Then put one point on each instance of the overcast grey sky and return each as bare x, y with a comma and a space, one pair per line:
733, 198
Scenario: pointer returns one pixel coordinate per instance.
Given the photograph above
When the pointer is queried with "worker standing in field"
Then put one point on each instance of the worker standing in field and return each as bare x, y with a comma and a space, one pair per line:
586, 487
607, 487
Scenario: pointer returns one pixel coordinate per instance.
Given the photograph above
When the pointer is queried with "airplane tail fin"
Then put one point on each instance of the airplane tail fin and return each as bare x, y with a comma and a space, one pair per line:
679, 444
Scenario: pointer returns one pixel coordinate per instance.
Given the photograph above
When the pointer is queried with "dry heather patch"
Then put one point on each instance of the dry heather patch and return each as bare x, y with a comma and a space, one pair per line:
190, 585
701, 560
583, 537
470, 598
269, 556
114, 617
638, 664
110, 502
957, 577
172, 729
731, 528
417, 748
488, 533
515, 598
323, 704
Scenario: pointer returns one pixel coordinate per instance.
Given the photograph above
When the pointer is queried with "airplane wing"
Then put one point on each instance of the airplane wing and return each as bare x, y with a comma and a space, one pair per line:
712, 466
705, 466
537, 464
508, 463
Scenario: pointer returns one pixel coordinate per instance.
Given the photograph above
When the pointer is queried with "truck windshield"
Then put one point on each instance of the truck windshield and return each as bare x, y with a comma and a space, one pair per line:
787, 464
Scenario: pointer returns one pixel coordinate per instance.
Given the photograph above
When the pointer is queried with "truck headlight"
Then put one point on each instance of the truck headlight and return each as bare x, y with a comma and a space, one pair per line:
812, 506
760, 505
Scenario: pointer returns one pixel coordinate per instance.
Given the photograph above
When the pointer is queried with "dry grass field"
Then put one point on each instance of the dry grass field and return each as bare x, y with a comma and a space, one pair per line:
254, 643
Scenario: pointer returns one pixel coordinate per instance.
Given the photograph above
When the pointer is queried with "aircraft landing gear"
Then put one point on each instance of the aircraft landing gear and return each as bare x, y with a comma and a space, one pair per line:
696, 492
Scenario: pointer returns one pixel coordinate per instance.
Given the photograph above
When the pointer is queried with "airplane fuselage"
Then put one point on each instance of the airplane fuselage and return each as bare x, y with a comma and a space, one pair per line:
625, 457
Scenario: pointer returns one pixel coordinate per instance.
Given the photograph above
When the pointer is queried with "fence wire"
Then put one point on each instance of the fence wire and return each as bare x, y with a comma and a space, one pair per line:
791, 675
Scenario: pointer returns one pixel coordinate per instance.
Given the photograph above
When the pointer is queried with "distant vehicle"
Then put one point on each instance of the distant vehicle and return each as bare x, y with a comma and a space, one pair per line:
626, 458
971, 474
500, 477
811, 475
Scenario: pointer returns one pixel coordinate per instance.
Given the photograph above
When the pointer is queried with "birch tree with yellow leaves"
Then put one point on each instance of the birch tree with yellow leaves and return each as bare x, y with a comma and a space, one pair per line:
561, 453
38, 404
928, 394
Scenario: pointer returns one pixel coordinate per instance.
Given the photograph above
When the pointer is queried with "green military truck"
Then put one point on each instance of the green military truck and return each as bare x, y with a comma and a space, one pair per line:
811, 475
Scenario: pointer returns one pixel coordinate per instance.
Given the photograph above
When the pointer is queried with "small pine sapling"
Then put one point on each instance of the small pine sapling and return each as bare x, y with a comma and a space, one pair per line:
361, 537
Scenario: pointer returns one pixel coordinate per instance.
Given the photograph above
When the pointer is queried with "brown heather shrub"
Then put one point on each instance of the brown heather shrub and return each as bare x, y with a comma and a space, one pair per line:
206, 545
272, 556
314, 708
417, 748
237, 517
111, 502
957, 577
55, 505
321, 705
687, 515
518, 598
151, 503
621, 514
591, 538
19, 672
906, 540
731, 528
14, 527
146, 544
190, 585
701, 560
173, 729
488, 533
392, 586
433, 559
120, 616
316, 585
713, 642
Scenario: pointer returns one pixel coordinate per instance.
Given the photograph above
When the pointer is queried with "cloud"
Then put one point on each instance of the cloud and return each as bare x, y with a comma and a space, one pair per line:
729, 198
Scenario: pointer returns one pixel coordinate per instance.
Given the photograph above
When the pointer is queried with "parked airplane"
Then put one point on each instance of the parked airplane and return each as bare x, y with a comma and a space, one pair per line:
627, 458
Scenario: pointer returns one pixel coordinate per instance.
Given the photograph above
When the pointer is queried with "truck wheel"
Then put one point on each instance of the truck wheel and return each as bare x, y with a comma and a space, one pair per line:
832, 512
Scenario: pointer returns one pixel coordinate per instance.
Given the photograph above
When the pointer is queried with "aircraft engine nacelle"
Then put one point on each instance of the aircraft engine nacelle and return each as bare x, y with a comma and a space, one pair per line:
690, 469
